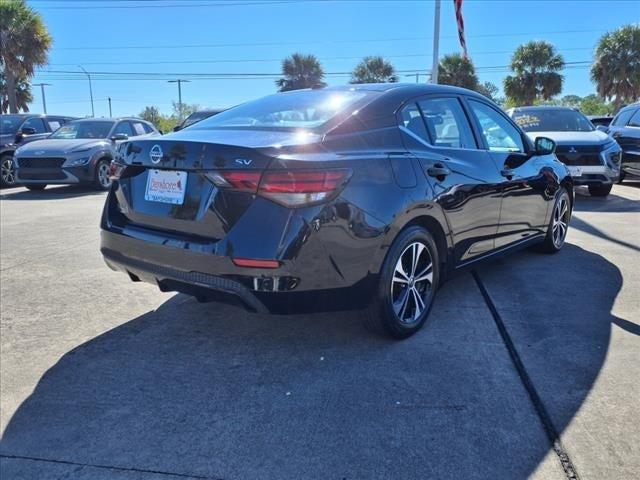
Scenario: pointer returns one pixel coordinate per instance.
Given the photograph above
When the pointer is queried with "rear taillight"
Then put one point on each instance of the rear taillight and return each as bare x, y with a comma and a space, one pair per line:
244, 180
302, 187
292, 188
115, 169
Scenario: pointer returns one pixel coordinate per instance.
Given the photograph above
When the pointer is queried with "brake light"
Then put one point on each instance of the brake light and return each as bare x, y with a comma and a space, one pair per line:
244, 180
302, 187
115, 169
292, 188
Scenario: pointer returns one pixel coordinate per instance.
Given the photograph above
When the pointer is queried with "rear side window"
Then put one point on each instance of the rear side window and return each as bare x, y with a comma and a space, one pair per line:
447, 123
138, 128
148, 128
53, 125
623, 118
499, 134
411, 119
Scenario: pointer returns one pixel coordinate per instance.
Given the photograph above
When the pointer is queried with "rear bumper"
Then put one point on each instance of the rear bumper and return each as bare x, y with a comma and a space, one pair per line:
307, 284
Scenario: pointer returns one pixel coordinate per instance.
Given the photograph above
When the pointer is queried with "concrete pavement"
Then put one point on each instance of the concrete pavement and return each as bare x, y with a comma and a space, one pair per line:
102, 378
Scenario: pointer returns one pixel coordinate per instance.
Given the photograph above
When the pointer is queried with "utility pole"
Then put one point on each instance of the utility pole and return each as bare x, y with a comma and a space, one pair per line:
93, 113
44, 100
436, 42
179, 81
110, 114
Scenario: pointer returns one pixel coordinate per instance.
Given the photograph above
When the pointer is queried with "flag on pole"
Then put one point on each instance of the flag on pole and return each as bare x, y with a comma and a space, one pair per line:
460, 20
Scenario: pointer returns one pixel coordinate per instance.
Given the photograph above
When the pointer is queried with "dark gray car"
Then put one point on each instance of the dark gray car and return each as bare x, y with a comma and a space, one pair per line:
18, 129
78, 152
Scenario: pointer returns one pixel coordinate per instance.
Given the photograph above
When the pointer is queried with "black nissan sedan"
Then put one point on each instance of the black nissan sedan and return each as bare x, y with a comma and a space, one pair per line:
361, 196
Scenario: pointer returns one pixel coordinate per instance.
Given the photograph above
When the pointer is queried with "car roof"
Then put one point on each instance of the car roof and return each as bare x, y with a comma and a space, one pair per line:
543, 107
109, 119
33, 115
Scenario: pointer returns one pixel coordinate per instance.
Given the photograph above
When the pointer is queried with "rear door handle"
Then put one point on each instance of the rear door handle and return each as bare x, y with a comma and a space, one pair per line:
438, 170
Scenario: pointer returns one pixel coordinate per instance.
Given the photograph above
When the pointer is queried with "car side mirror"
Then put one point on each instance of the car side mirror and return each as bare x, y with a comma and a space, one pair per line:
602, 128
119, 137
544, 146
28, 131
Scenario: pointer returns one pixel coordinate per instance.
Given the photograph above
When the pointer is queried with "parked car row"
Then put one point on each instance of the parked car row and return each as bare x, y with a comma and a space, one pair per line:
625, 129
342, 197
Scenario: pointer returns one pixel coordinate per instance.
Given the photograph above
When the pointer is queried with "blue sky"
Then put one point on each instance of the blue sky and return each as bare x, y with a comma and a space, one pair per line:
176, 38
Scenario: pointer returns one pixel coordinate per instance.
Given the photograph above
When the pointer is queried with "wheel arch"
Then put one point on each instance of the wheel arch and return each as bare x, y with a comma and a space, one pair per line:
434, 227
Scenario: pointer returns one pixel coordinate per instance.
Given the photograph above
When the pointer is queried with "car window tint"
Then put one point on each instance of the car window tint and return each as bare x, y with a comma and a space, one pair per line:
446, 123
635, 120
498, 132
411, 119
623, 117
35, 123
53, 125
138, 128
124, 127
148, 128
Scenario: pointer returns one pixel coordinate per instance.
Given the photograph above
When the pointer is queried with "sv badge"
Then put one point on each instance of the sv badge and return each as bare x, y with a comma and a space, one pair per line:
243, 161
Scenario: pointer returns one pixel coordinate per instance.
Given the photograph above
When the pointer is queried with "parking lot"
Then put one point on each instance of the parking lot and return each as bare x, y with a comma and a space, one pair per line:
103, 378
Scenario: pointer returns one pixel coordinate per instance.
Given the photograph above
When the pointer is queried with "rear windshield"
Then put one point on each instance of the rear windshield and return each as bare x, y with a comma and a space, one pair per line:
299, 109
552, 120
84, 129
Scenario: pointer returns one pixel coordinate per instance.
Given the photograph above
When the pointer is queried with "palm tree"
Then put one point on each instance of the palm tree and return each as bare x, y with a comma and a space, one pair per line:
300, 71
535, 66
23, 94
25, 44
374, 70
616, 69
456, 70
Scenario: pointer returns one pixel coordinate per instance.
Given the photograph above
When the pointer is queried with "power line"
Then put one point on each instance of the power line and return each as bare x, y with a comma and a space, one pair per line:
316, 42
267, 60
175, 5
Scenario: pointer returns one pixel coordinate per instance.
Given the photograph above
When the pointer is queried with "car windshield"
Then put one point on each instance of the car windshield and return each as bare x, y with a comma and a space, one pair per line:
299, 109
84, 129
552, 120
9, 124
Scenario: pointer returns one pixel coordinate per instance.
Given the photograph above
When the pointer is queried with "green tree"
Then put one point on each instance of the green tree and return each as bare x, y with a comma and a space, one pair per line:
456, 70
184, 110
535, 66
23, 94
572, 101
164, 123
300, 71
24, 45
374, 70
616, 69
594, 105
489, 90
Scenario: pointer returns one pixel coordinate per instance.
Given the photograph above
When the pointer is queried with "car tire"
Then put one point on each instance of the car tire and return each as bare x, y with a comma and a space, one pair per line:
600, 190
406, 287
558, 223
8, 171
101, 175
36, 188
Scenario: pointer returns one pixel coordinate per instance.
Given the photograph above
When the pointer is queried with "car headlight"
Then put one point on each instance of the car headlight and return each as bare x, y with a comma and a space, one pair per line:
78, 162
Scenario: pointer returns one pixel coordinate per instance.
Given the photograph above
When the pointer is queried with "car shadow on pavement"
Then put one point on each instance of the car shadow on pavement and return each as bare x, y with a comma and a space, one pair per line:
610, 204
50, 193
210, 390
